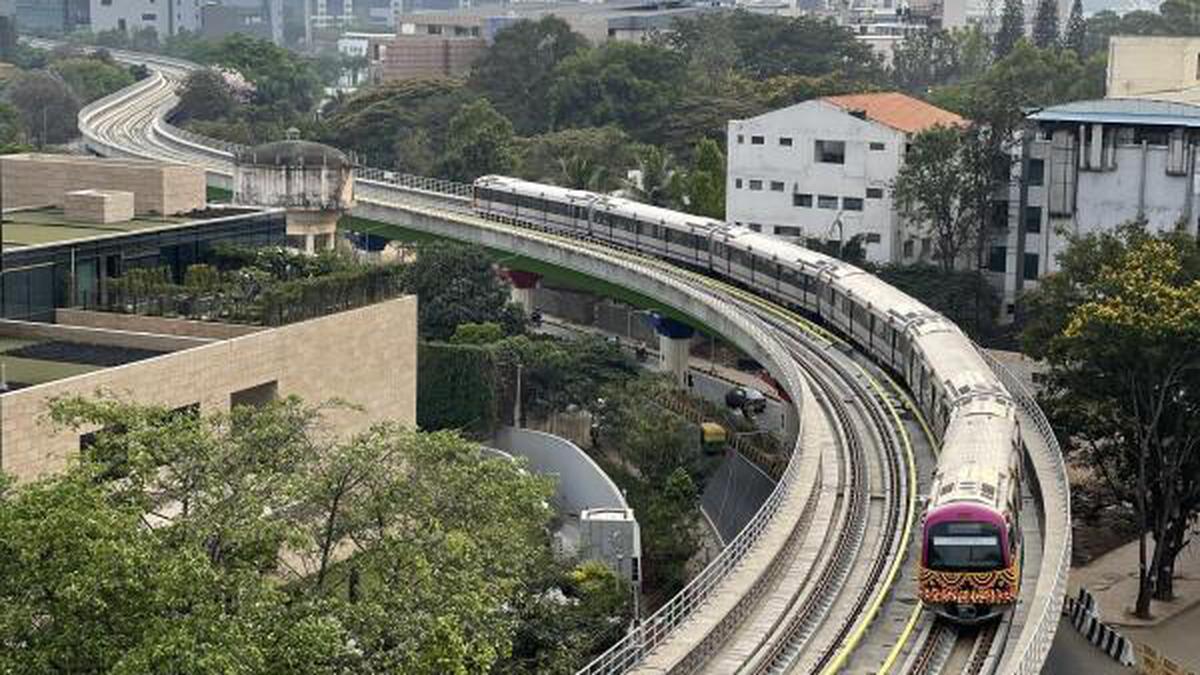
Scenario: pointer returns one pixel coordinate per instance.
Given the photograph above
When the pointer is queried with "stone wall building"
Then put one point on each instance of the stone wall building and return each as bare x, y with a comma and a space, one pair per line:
365, 356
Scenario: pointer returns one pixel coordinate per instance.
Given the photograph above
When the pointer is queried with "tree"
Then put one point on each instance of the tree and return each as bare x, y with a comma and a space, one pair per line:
457, 284
12, 131
925, 59
1181, 17
517, 69
1045, 25
627, 84
1120, 327
480, 142
657, 180
588, 158
936, 188
205, 96
400, 125
1075, 38
255, 541
1012, 28
47, 105
704, 183
769, 46
92, 78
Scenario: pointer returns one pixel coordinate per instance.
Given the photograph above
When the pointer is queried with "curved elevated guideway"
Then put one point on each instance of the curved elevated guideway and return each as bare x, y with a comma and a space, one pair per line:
806, 585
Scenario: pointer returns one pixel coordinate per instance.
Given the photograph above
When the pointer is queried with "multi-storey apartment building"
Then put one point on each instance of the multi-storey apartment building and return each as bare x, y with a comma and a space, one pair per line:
1090, 166
824, 169
166, 17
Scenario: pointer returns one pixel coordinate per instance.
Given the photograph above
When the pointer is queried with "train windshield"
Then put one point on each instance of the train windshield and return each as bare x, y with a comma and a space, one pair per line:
965, 547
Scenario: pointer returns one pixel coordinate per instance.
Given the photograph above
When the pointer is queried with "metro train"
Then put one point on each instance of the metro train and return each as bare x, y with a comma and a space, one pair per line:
970, 539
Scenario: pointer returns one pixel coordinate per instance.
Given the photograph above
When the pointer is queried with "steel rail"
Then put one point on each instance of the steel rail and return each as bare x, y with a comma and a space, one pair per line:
1036, 634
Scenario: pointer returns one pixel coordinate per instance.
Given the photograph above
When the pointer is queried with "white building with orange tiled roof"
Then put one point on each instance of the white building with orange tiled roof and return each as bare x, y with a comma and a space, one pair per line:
823, 169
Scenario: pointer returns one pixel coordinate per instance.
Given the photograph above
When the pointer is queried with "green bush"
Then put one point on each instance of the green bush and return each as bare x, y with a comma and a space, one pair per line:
456, 388
477, 333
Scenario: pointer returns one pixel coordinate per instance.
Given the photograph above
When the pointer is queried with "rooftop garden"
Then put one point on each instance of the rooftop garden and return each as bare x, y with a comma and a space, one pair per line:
263, 286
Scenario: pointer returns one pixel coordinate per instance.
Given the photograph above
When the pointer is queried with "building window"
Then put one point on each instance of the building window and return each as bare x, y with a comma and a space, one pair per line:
737, 183
741, 139
874, 238
149, 17
776, 186
1037, 172
801, 200
787, 231
755, 227
998, 259
908, 248
1000, 215
852, 203
1031, 266
1033, 219
830, 152
755, 184
926, 246
877, 146
785, 141
874, 193
827, 202
757, 140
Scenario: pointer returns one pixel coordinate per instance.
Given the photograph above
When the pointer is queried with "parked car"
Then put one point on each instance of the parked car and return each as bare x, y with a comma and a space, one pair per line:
747, 399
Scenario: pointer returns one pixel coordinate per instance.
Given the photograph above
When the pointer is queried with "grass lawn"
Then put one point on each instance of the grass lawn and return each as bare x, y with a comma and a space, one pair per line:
560, 277
34, 371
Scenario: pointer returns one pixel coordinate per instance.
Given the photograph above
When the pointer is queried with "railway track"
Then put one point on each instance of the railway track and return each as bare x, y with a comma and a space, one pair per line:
864, 485
879, 499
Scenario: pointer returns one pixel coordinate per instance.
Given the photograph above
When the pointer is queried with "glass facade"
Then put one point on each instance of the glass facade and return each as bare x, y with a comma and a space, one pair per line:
42, 15
38, 279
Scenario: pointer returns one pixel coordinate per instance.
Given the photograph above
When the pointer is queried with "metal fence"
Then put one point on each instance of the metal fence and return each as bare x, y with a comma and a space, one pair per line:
654, 630
1038, 635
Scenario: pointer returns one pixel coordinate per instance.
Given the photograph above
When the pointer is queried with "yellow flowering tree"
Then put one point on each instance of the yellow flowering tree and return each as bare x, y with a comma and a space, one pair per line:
1120, 327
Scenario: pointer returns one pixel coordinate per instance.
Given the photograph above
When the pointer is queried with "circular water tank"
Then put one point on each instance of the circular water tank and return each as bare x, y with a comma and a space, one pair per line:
294, 174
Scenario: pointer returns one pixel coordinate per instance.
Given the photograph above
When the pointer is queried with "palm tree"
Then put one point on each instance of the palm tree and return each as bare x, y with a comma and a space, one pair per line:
580, 173
658, 181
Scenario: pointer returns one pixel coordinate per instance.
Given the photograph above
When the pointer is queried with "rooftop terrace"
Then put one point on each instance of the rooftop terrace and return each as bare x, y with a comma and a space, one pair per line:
34, 227
51, 226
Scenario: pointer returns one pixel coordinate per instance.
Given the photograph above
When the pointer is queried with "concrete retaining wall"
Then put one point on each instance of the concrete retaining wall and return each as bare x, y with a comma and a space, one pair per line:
582, 484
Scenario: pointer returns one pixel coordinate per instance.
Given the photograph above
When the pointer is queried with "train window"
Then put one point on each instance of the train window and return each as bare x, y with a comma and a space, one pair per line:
757, 140
802, 200
847, 305
755, 184
852, 203
827, 201
776, 186
964, 545
874, 193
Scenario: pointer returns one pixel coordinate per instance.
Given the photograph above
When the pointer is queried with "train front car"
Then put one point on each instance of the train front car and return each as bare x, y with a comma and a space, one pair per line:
970, 537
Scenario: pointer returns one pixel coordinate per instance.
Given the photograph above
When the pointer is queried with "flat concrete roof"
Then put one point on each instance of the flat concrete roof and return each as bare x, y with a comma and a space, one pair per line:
34, 227
25, 372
